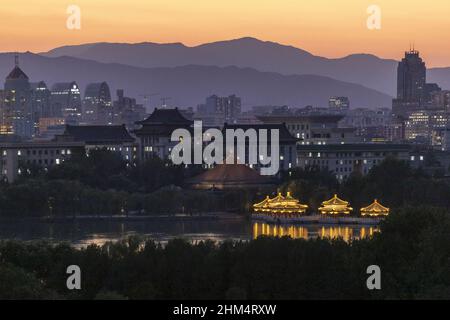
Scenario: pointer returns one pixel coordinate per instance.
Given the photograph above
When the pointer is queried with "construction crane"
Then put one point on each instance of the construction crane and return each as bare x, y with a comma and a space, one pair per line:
146, 97
164, 101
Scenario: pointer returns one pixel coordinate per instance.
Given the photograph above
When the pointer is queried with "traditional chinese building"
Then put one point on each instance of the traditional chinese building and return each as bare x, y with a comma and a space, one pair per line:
280, 205
375, 210
335, 206
155, 132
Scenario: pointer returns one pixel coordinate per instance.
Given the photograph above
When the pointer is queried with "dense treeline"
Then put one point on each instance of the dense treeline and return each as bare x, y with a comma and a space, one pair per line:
70, 198
413, 252
104, 184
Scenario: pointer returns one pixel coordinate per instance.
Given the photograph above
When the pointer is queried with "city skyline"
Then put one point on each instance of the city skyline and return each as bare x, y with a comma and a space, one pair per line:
320, 28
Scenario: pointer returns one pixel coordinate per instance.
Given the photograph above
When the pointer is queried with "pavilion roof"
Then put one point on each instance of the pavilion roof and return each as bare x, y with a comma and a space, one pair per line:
335, 201
375, 208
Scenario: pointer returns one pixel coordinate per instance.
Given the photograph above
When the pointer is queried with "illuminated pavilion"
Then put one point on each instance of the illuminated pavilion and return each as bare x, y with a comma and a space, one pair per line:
335, 206
375, 210
280, 205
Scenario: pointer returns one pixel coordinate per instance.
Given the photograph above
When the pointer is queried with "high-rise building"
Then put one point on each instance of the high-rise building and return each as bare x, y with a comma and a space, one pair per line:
126, 111
421, 124
441, 100
16, 114
411, 77
66, 101
218, 110
413, 92
40, 100
97, 104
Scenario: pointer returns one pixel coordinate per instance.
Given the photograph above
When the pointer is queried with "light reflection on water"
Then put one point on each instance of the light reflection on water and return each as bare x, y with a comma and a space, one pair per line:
81, 233
346, 232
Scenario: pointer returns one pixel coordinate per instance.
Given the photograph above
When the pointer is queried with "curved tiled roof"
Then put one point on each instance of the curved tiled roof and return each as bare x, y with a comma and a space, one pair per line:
166, 116
335, 201
284, 134
375, 208
95, 134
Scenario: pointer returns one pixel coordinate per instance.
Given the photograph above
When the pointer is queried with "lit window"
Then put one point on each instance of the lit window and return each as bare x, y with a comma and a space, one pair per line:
421, 158
413, 158
57, 161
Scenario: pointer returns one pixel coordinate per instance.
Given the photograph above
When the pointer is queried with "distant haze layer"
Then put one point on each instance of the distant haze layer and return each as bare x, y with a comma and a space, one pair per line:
190, 85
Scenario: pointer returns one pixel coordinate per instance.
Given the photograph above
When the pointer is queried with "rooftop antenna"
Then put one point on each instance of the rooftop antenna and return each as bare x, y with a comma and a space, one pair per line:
16, 59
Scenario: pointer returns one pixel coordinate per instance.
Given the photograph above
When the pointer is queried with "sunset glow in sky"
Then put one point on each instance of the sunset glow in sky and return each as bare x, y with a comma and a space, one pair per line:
331, 28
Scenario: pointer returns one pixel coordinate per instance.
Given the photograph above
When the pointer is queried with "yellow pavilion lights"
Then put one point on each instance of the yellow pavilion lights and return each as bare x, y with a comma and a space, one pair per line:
280, 205
335, 206
375, 209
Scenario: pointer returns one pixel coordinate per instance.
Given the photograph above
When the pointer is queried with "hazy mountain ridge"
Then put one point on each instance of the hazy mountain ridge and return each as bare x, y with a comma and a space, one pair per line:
189, 85
365, 69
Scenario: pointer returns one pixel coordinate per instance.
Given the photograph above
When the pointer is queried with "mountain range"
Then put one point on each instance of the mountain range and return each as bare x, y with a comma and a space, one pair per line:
190, 85
261, 72
365, 69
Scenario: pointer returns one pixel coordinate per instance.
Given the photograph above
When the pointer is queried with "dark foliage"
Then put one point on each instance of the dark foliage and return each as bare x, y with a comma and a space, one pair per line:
412, 250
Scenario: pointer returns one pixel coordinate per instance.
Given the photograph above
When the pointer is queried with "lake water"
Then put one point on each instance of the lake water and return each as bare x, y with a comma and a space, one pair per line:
83, 232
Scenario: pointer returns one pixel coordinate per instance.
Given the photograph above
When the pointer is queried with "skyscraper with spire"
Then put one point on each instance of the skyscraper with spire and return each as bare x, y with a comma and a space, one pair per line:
411, 77
413, 91
16, 111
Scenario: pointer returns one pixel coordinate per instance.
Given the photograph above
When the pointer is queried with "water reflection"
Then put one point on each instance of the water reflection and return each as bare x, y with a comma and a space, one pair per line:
347, 233
81, 233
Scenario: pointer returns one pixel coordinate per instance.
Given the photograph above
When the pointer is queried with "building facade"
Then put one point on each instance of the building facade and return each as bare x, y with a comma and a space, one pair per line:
218, 110
112, 138
97, 104
127, 111
315, 129
155, 132
19, 156
344, 159
66, 102
16, 112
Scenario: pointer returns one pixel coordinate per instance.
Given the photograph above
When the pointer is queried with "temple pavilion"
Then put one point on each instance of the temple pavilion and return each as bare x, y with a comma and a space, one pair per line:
335, 206
375, 209
280, 205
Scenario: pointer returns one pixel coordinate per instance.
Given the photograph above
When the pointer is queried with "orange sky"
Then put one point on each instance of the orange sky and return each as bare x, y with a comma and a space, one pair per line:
331, 28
